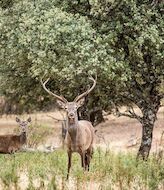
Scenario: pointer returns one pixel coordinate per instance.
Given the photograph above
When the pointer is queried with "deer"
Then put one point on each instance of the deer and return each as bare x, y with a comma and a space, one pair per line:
80, 133
63, 126
12, 143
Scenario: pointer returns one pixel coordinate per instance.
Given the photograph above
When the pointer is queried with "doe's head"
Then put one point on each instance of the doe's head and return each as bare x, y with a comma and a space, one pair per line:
23, 124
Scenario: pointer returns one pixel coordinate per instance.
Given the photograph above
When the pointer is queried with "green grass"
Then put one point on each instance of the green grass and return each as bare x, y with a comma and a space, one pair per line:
107, 171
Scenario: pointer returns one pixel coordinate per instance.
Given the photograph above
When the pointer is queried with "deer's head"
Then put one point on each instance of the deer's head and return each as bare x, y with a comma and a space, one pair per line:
23, 124
70, 107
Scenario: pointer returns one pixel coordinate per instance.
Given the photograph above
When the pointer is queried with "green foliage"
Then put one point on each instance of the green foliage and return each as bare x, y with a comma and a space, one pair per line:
121, 41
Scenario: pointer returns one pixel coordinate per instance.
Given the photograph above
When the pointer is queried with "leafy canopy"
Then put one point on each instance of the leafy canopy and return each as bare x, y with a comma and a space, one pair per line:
121, 41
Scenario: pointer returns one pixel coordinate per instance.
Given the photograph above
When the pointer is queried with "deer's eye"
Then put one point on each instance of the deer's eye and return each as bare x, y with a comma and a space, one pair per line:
66, 108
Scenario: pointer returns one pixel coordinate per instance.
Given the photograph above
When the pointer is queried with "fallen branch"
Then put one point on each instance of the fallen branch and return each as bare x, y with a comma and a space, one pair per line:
56, 118
44, 150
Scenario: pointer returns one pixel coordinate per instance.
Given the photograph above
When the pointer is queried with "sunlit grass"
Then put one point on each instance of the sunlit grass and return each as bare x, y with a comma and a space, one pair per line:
107, 171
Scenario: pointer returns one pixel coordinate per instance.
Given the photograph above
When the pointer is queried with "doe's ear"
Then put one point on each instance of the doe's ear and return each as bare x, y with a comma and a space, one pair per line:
80, 102
29, 119
61, 104
17, 119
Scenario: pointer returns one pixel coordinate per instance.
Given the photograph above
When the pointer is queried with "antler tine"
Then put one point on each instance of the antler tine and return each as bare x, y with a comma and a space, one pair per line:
91, 78
47, 90
88, 91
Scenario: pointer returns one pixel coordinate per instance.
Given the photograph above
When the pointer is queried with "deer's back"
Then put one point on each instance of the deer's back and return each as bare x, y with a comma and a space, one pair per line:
9, 143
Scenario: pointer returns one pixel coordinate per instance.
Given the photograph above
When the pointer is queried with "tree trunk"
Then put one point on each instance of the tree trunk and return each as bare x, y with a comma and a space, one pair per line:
83, 113
96, 117
147, 135
148, 120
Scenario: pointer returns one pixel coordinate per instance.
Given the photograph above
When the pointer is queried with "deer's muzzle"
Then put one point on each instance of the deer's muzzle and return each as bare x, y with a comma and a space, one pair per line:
71, 115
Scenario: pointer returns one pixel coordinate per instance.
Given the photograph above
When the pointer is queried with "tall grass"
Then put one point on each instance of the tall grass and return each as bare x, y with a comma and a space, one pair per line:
108, 171
37, 134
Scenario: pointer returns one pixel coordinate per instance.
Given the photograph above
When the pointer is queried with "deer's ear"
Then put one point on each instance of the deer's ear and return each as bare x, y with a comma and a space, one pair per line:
17, 119
61, 104
80, 102
29, 119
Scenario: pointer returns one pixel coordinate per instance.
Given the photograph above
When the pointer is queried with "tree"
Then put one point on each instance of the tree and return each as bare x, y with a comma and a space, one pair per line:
45, 41
138, 41
121, 41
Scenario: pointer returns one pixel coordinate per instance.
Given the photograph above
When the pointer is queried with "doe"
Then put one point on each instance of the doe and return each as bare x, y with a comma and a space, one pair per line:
12, 143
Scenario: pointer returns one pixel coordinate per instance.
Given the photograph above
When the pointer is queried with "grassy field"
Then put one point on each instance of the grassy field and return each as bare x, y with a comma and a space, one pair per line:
108, 171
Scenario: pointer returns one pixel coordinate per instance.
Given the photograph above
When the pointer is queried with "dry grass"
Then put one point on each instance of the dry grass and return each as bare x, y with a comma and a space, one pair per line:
109, 170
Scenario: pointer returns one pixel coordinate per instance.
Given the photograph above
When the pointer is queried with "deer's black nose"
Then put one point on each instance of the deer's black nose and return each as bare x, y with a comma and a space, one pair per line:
71, 115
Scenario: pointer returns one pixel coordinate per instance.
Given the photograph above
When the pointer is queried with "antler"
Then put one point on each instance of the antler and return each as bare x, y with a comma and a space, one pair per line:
56, 96
88, 91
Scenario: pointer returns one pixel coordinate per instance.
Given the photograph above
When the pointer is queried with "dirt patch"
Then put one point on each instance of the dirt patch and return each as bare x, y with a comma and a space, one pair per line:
123, 133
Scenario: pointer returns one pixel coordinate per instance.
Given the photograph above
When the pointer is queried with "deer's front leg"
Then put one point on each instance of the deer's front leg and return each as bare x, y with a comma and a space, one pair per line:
69, 162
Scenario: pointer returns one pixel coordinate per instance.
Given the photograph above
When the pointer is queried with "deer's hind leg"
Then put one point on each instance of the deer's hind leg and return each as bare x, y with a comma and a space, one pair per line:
82, 154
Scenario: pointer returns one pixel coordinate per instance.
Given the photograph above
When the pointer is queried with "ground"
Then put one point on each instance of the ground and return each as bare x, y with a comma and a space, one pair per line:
118, 134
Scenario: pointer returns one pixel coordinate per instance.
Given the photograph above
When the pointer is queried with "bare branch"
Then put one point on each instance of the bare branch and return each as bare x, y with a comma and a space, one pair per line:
64, 119
130, 114
56, 118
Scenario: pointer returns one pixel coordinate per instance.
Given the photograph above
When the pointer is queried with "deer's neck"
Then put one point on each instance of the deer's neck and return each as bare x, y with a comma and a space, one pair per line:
72, 128
23, 138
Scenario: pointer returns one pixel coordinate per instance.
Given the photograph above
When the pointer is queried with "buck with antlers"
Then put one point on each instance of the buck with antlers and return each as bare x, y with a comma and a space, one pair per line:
12, 143
80, 133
